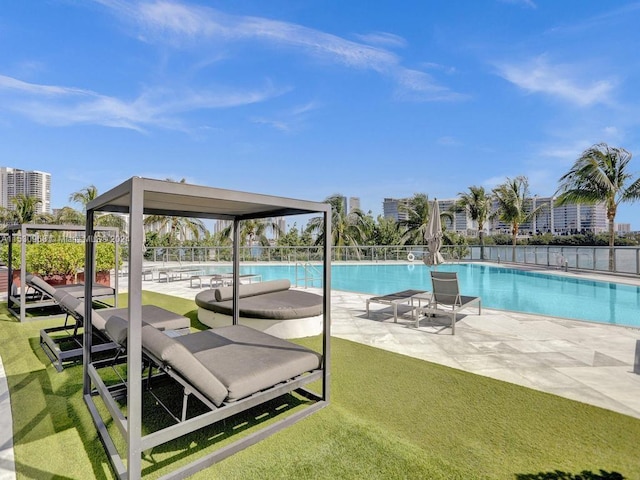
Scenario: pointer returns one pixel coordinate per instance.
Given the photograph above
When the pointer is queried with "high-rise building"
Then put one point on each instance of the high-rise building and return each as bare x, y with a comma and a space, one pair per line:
220, 225
14, 182
354, 204
391, 208
570, 218
578, 218
460, 223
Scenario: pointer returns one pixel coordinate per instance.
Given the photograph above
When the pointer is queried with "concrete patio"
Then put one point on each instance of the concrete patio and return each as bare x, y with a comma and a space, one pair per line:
588, 362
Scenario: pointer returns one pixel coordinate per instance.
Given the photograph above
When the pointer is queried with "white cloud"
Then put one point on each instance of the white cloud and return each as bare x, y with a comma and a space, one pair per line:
436, 66
290, 120
415, 85
9, 83
61, 106
182, 25
562, 81
383, 39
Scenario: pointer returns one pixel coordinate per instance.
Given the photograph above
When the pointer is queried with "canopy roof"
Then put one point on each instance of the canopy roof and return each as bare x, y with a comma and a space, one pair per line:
141, 196
168, 198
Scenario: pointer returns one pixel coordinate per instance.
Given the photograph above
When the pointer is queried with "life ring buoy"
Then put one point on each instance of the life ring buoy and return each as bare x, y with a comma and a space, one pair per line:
410, 257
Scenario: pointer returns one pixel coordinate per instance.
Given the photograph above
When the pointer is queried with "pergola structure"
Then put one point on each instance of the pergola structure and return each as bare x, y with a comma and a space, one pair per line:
18, 305
138, 197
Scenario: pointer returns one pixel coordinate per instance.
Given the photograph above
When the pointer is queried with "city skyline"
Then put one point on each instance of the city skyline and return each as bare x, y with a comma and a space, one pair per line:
570, 218
309, 99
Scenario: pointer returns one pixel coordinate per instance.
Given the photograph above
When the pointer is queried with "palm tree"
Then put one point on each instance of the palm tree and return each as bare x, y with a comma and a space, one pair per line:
600, 175
69, 216
86, 195
514, 206
177, 228
347, 228
477, 204
254, 231
418, 212
25, 209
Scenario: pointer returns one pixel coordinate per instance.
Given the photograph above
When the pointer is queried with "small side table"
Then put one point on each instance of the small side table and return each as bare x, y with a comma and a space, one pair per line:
425, 297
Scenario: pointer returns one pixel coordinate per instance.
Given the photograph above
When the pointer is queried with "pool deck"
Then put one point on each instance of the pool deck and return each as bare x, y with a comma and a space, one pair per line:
589, 362
593, 363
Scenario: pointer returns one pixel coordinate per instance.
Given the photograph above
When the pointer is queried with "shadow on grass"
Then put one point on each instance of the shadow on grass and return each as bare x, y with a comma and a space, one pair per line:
560, 475
188, 447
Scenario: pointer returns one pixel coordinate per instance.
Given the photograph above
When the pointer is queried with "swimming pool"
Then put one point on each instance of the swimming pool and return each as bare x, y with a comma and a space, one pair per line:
500, 288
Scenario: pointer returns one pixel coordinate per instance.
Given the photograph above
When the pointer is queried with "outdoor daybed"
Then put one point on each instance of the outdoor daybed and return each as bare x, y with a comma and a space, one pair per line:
271, 307
252, 368
44, 291
20, 299
60, 348
223, 365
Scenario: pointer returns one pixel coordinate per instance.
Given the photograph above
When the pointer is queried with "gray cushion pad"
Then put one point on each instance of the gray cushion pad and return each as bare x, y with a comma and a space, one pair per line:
249, 290
76, 289
230, 363
279, 305
152, 315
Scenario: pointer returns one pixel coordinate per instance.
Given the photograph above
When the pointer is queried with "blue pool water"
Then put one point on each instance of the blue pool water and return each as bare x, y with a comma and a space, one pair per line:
500, 288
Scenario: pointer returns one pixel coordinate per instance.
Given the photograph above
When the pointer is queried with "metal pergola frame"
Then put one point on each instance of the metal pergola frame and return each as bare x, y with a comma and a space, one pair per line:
138, 197
24, 229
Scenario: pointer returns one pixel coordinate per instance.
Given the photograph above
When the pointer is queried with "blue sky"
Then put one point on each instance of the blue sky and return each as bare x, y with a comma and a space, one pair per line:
308, 98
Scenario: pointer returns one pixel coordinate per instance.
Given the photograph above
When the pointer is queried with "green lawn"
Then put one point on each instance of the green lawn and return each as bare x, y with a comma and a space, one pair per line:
390, 416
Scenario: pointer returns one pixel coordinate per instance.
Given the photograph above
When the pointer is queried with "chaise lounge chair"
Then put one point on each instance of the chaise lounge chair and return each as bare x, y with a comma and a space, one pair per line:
229, 369
61, 348
45, 291
223, 365
446, 298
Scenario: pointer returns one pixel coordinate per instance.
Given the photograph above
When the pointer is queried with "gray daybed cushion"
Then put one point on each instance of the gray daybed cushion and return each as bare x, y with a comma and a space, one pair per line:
230, 363
152, 315
273, 301
76, 289
158, 317
252, 289
39, 284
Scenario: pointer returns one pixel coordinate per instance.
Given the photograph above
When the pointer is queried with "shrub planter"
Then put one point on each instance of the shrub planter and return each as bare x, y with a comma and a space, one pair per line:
102, 278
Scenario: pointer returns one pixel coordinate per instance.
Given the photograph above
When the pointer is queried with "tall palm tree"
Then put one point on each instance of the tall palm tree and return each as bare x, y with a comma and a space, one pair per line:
69, 216
418, 212
347, 228
84, 196
600, 175
177, 228
25, 209
478, 205
514, 206
254, 231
